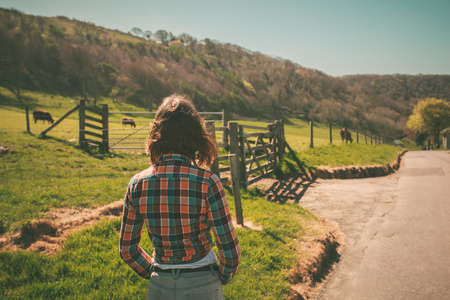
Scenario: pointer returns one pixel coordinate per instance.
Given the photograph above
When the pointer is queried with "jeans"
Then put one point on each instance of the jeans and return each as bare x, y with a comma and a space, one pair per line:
202, 285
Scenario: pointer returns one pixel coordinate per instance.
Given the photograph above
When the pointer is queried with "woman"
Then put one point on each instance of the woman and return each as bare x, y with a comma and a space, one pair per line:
179, 203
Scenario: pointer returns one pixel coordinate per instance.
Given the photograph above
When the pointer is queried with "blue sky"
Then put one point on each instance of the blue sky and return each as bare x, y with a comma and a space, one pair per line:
338, 37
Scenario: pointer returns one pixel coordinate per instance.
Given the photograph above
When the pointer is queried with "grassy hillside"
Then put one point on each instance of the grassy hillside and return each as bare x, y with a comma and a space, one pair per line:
79, 59
41, 174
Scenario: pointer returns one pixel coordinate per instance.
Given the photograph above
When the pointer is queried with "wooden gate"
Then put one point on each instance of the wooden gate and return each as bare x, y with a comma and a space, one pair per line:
98, 127
257, 151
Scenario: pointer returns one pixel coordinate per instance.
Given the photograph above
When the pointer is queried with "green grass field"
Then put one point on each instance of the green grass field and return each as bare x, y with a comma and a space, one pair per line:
89, 267
39, 174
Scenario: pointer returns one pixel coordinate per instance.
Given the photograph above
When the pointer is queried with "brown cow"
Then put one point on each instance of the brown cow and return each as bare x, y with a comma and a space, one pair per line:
129, 121
42, 115
349, 135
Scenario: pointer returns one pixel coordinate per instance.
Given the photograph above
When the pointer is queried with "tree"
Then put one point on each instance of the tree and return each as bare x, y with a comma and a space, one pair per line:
78, 65
137, 31
148, 34
107, 78
12, 61
430, 116
186, 39
143, 78
162, 36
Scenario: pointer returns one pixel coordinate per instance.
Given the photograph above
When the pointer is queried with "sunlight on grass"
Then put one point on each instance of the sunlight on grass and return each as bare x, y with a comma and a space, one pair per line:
89, 267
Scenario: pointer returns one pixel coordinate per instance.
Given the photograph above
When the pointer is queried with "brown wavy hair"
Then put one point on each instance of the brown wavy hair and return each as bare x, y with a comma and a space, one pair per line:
178, 128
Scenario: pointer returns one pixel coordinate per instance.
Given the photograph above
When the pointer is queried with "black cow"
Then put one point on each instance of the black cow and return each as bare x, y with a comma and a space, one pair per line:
42, 115
349, 135
128, 121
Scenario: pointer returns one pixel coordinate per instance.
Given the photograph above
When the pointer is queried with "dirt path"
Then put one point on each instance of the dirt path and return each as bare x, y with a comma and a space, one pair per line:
46, 235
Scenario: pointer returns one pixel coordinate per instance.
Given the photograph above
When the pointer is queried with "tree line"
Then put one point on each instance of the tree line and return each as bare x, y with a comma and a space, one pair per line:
77, 58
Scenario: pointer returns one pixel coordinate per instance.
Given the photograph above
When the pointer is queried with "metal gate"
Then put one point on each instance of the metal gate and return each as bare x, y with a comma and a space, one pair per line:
129, 134
132, 134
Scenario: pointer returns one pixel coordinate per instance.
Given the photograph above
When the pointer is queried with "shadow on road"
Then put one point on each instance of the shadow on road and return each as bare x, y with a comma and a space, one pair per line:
291, 189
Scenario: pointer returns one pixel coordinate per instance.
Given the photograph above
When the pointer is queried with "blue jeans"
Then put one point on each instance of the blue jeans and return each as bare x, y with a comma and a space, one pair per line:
202, 285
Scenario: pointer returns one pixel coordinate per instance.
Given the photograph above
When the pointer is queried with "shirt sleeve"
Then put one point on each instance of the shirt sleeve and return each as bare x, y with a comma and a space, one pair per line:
219, 218
130, 236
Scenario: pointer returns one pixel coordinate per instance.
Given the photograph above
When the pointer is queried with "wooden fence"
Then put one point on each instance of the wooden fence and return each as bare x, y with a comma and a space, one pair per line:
93, 126
97, 122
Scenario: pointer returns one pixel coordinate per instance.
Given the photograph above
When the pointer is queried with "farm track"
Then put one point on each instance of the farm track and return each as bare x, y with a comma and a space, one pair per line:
318, 255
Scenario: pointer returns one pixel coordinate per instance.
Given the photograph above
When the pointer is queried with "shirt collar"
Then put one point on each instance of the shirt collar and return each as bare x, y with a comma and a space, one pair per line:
172, 156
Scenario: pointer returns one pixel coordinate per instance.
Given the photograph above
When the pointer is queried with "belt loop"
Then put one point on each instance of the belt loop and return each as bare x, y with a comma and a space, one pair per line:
176, 273
211, 266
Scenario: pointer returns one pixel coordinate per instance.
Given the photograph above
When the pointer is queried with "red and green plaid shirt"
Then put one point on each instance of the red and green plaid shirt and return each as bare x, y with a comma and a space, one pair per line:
180, 204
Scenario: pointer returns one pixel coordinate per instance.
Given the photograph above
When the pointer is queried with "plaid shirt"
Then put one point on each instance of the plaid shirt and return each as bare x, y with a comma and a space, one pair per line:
180, 204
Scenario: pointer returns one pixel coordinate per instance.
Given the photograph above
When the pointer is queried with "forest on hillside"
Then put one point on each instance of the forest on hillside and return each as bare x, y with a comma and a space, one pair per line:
79, 59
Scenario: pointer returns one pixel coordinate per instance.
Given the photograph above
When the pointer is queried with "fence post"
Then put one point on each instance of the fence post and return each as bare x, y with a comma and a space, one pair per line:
234, 143
225, 127
105, 130
280, 138
211, 127
273, 141
311, 124
28, 119
82, 118
242, 153
331, 134
283, 137
357, 136
234, 169
365, 136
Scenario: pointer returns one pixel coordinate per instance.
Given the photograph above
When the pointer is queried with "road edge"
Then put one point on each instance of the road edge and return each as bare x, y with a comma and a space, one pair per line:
353, 172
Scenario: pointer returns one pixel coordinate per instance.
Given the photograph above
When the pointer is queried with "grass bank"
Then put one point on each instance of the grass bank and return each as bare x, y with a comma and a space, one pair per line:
89, 267
338, 156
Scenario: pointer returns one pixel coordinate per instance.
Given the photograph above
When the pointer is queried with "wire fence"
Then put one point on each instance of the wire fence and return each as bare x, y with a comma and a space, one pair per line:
15, 120
31, 184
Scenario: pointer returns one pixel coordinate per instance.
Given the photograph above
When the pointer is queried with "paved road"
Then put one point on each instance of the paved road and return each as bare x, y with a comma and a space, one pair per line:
397, 228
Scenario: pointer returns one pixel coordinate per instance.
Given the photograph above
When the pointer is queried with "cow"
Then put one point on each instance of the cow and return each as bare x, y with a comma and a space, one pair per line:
129, 121
349, 135
42, 115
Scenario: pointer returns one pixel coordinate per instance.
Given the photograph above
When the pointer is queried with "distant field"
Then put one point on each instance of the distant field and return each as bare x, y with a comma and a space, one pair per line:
297, 133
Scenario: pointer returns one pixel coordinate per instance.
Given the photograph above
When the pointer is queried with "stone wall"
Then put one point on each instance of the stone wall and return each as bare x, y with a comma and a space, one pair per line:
358, 172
